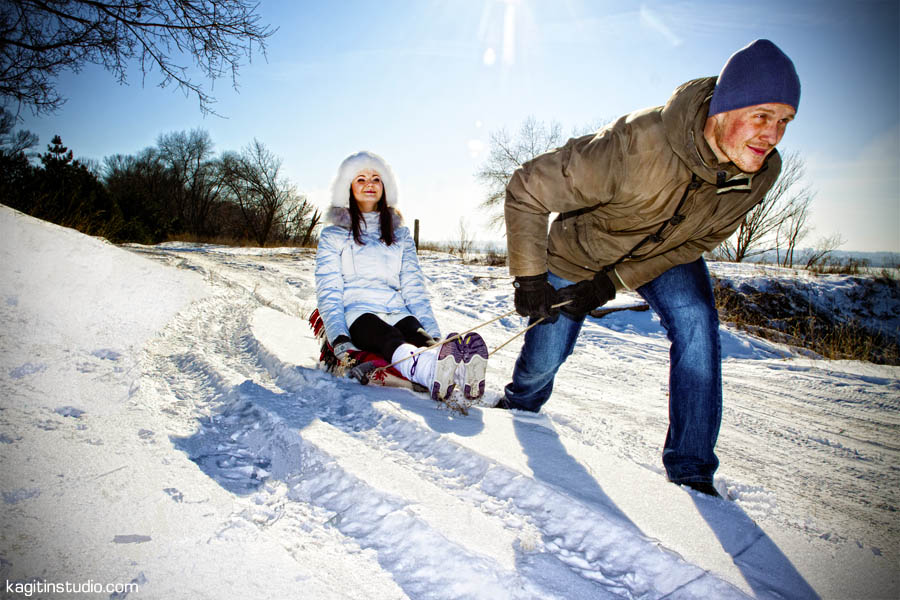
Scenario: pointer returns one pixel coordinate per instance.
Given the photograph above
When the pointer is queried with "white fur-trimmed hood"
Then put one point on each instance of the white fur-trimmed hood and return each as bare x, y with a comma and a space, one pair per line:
352, 165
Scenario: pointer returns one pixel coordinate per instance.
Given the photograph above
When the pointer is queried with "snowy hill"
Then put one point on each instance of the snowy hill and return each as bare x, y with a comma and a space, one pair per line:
161, 426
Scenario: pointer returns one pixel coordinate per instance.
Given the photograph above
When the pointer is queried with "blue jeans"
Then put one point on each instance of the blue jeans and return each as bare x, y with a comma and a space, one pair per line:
683, 299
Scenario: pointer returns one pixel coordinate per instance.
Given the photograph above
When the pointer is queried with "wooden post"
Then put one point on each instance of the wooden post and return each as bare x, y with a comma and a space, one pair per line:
416, 233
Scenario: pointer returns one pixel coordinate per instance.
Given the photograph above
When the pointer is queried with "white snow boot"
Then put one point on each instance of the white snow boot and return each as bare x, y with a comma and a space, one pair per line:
433, 368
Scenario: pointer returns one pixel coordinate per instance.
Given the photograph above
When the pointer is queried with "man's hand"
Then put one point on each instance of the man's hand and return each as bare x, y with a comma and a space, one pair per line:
535, 297
586, 295
342, 347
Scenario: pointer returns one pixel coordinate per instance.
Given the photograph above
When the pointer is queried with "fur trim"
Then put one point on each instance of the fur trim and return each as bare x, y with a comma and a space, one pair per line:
340, 216
352, 165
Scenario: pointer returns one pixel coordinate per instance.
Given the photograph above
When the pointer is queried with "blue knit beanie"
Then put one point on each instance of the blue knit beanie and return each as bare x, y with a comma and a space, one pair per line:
756, 74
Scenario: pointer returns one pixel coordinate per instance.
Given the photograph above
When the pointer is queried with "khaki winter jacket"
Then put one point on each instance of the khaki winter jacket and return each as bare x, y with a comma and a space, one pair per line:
617, 188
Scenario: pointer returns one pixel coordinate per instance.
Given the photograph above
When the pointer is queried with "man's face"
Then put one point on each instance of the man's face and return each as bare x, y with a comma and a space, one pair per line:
746, 136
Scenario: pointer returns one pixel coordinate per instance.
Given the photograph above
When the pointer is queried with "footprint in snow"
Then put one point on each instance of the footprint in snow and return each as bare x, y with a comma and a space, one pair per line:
106, 354
16, 496
27, 369
173, 493
131, 539
69, 411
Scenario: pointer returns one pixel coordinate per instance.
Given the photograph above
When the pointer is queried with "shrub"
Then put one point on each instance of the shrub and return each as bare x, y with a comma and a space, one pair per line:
492, 257
783, 314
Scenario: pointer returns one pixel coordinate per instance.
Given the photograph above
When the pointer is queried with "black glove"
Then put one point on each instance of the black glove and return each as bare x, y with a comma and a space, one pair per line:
586, 295
534, 297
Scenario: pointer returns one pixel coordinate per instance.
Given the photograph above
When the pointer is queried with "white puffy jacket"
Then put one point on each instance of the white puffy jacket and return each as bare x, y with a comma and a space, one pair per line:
372, 277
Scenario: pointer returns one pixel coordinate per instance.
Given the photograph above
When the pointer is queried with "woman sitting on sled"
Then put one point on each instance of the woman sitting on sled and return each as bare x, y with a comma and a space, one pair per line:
371, 292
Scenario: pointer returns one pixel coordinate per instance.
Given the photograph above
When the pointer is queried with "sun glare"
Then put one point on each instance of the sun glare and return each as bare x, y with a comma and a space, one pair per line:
509, 33
498, 31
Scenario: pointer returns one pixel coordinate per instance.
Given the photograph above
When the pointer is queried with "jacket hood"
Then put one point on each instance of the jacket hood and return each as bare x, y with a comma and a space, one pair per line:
684, 118
340, 216
352, 165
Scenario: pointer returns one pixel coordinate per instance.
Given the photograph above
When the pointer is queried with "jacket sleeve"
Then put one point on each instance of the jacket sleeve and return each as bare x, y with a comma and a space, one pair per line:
330, 282
582, 173
412, 285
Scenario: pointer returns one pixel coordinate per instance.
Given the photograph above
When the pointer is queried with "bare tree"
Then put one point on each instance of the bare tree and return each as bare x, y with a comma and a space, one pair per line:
15, 169
823, 250
464, 241
189, 158
39, 39
144, 188
507, 153
267, 200
314, 220
783, 203
794, 228
590, 127
299, 221
14, 142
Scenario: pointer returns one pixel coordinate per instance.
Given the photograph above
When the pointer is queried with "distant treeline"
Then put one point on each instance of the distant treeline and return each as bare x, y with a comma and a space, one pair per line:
862, 260
178, 189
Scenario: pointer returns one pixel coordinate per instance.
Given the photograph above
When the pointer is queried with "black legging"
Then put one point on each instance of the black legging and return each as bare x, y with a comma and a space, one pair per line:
370, 333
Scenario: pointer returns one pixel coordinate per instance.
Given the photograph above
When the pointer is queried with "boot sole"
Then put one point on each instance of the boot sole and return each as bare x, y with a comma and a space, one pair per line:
449, 357
475, 358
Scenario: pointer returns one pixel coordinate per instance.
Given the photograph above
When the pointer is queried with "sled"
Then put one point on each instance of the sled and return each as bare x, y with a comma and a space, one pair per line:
367, 367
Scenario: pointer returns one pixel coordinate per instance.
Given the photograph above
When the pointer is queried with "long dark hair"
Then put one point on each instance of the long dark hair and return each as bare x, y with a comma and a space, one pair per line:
387, 220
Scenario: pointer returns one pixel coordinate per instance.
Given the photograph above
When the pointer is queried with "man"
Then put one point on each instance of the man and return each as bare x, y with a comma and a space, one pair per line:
639, 203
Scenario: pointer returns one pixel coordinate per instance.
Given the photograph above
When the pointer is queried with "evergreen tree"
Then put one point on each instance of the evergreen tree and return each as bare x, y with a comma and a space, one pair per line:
57, 154
65, 192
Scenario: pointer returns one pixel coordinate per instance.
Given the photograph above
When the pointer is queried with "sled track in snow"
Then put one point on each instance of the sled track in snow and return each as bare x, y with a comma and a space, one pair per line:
271, 433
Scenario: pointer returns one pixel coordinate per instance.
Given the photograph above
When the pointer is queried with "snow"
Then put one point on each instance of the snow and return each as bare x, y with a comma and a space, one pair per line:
162, 423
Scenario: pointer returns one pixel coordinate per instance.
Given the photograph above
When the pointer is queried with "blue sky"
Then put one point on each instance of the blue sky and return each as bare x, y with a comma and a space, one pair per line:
424, 83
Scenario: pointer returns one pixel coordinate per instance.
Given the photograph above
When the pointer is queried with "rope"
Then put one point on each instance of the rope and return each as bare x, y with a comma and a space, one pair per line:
602, 312
515, 336
448, 340
526, 329
479, 326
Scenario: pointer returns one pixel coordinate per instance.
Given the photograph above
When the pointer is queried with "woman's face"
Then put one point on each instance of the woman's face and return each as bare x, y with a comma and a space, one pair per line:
367, 189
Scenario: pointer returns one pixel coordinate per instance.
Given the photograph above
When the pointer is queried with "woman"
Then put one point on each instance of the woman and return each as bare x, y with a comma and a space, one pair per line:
371, 292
